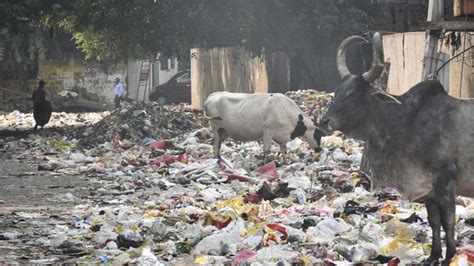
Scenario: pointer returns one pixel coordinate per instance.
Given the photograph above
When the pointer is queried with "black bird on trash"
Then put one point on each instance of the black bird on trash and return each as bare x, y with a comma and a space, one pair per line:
41, 107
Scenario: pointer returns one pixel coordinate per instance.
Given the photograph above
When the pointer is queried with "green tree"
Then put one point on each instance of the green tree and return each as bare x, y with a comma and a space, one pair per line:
112, 31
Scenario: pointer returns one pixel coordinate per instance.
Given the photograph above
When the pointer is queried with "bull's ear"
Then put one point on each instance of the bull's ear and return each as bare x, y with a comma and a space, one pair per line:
381, 95
384, 97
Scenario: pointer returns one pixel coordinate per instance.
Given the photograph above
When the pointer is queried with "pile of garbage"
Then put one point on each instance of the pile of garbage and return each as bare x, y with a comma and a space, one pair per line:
164, 199
313, 103
142, 121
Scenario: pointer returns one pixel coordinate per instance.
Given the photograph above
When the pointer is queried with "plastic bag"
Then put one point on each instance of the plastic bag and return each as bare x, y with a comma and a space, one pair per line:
222, 242
147, 258
333, 226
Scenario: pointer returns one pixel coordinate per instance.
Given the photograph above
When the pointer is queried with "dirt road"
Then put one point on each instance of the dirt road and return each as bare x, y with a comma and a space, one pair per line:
33, 204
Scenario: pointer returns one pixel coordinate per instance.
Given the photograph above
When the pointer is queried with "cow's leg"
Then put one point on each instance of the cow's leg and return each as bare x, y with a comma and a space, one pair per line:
435, 222
222, 135
267, 144
217, 142
447, 210
283, 151
36, 126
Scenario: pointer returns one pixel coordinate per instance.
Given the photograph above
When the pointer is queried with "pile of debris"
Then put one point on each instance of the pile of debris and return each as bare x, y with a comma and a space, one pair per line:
138, 122
313, 103
169, 201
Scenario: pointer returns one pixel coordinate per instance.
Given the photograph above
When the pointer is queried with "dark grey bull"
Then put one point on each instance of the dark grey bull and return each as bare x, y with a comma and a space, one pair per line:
420, 142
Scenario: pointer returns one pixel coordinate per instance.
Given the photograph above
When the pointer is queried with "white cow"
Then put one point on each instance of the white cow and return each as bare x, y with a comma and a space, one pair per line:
249, 117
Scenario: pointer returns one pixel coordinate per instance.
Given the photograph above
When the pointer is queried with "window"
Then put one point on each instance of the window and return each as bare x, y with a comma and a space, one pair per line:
185, 78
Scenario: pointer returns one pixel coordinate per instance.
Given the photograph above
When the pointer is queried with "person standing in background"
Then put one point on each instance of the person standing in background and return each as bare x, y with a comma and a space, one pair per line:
42, 108
118, 92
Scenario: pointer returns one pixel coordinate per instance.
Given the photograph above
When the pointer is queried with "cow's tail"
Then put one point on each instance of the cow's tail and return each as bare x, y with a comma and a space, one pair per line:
210, 117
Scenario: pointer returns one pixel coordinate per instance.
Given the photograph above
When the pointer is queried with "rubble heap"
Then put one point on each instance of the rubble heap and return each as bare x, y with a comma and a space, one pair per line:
136, 122
313, 103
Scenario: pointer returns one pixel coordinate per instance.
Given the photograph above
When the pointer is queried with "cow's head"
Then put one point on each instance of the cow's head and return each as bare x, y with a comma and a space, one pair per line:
350, 107
311, 133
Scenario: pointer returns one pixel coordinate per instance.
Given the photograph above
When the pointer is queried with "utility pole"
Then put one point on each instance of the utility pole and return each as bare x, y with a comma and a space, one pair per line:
435, 13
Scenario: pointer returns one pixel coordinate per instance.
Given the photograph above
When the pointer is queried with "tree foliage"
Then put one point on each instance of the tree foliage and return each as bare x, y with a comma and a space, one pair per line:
114, 29
111, 31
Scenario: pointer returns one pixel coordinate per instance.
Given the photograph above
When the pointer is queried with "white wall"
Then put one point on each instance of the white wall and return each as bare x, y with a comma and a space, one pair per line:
67, 75
161, 76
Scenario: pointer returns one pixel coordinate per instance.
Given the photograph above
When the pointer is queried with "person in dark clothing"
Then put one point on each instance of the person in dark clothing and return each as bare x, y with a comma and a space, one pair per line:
41, 107
39, 95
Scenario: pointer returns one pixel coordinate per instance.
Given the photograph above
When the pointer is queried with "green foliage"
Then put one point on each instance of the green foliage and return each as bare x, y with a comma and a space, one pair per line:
111, 31
116, 29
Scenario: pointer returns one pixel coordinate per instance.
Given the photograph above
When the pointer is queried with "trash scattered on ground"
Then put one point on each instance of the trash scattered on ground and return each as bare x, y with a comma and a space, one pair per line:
63, 198
17, 120
63, 102
164, 199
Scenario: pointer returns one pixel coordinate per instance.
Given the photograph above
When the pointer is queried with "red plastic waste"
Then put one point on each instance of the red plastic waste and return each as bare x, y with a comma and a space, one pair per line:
242, 256
161, 144
268, 171
394, 262
240, 178
254, 198
117, 141
277, 233
168, 159
470, 255
223, 164
217, 221
100, 170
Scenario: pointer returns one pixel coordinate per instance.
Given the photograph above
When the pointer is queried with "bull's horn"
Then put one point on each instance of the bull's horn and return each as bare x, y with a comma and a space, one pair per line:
377, 64
341, 54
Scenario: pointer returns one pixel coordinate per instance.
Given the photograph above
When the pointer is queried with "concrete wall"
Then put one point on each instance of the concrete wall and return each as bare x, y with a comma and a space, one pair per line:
162, 74
71, 75
234, 69
404, 52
